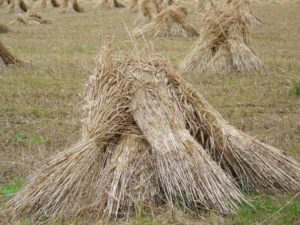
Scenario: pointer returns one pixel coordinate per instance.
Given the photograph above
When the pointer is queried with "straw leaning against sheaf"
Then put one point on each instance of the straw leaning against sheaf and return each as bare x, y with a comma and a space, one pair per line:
187, 174
67, 185
131, 176
170, 23
223, 45
256, 166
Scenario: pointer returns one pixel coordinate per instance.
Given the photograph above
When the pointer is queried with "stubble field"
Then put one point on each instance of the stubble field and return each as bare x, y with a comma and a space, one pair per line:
40, 103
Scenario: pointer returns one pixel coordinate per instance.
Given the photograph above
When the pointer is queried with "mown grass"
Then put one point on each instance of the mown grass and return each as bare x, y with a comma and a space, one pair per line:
40, 103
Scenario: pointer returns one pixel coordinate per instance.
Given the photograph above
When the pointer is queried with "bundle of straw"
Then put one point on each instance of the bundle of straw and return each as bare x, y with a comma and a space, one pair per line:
170, 23
111, 4
186, 173
20, 5
245, 10
68, 184
7, 57
148, 9
149, 138
3, 3
55, 3
131, 181
223, 45
66, 6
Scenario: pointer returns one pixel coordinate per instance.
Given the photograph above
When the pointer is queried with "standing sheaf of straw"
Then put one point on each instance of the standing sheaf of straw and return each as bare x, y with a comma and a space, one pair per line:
67, 184
170, 23
223, 45
20, 4
55, 3
147, 11
111, 4
72, 6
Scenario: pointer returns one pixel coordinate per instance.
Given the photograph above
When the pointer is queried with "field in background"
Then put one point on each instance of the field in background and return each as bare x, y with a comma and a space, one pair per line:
39, 113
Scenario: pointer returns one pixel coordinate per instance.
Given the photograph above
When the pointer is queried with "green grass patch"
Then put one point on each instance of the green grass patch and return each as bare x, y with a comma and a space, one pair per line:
270, 210
295, 90
11, 188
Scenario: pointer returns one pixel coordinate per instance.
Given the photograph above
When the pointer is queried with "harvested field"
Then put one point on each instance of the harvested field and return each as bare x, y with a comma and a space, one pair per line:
40, 103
